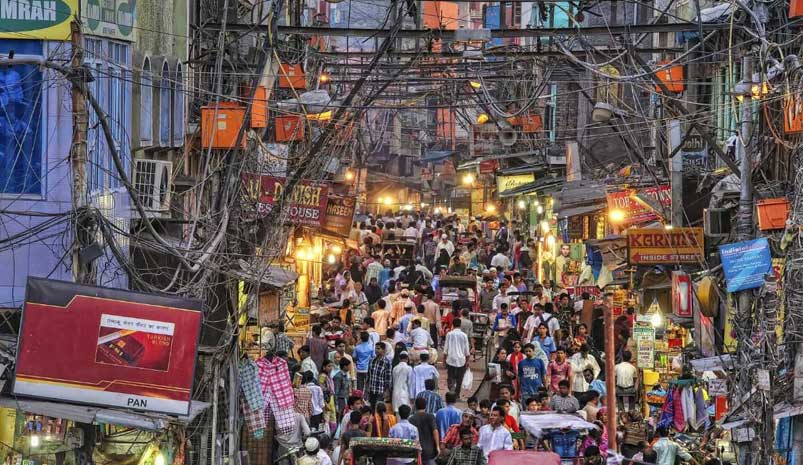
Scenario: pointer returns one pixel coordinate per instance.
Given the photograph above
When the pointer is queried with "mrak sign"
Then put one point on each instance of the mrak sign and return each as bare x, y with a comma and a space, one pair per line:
665, 246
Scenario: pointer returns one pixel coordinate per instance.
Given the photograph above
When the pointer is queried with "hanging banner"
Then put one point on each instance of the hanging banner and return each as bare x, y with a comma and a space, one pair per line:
635, 211
506, 183
114, 19
339, 215
655, 246
37, 19
644, 335
305, 205
107, 347
745, 264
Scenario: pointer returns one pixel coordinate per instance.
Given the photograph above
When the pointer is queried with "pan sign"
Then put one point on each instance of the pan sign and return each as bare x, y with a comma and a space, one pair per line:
107, 347
655, 246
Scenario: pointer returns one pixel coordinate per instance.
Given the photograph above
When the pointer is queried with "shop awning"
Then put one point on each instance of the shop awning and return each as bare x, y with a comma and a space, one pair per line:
272, 276
431, 156
96, 415
581, 210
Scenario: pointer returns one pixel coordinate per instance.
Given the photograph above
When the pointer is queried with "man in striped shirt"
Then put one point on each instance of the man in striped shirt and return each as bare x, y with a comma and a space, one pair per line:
431, 396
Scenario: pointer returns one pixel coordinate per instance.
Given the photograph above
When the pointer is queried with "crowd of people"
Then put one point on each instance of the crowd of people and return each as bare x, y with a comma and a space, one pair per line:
369, 366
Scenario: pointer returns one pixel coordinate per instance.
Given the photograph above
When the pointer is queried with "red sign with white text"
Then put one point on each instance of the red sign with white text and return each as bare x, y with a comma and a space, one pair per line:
305, 205
636, 212
107, 347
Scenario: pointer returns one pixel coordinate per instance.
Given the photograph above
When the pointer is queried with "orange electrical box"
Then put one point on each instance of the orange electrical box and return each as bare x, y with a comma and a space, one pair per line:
289, 128
772, 213
259, 108
672, 77
220, 126
531, 123
292, 76
795, 8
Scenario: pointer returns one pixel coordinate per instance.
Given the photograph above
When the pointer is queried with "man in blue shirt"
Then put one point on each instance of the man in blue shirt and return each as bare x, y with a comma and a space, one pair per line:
430, 395
363, 353
449, 415
531, 372
403, 430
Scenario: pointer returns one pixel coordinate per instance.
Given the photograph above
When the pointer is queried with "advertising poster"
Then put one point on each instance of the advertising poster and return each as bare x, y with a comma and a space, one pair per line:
305, 205
123, 349
114, 19
32, 19
645, 345
655, 246
339, 215
745, 264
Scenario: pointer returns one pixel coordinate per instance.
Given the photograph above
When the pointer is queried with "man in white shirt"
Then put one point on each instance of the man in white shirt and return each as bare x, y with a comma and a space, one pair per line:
500, 259
494, 435
419, 338
626, 376
421, 373
411, 232
456, 350
580, 361
535, 320
502, 297
446, 244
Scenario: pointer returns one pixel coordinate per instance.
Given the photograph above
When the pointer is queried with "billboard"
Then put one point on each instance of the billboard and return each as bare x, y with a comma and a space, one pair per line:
305, 205
506, 183
107, 347
339, 215
114, 19
36, 19
654, 246
634, 211
745, 264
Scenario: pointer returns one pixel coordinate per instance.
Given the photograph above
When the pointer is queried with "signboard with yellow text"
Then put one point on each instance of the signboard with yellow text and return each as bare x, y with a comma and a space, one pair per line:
655, 246
506, 183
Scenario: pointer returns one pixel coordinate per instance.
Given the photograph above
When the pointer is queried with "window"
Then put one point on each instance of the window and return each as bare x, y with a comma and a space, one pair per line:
109, 62
178, 108
21, 122
146, 104
164, 107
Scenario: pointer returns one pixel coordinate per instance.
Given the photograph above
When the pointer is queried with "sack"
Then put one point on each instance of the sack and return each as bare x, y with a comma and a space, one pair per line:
468, 380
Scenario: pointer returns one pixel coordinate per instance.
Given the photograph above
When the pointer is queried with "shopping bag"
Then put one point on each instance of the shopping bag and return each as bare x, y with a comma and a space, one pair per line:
468, 379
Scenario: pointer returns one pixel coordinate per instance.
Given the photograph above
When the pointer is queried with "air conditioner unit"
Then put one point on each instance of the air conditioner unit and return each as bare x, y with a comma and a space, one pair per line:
716, 222
153, 182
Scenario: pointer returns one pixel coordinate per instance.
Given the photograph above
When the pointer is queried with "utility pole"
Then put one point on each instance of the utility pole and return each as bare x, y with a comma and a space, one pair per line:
610, 377
676, 171
78, 150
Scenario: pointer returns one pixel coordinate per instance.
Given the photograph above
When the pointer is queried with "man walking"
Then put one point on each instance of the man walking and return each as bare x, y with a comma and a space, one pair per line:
428, 435
402, 376
431, 397
379, 380
403, 430
531, 373
456, 350
421, 374
449, 415
494, 435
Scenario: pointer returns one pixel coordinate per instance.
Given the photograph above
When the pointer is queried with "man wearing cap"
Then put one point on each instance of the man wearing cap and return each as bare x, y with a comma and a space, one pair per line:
400, 307
404, 321
421, 373
420, 339
402, 382
444, 244
311, 449
451, 438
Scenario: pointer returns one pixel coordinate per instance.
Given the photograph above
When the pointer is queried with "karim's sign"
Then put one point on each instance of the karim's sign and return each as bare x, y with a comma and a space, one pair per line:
37, 19
655, 246
107, 347
305, 205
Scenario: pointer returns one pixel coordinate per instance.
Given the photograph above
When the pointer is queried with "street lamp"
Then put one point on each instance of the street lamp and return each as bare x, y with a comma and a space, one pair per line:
349, 175
490, 208
468, 179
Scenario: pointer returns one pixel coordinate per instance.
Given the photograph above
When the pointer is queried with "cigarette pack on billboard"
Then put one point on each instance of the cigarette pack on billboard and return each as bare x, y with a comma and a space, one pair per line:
107, 347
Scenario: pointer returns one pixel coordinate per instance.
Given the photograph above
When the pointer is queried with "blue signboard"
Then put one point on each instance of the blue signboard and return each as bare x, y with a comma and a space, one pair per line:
745, 264
493, 20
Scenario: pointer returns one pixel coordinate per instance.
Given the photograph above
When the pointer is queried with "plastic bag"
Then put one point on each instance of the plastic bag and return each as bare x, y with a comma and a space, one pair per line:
468, 380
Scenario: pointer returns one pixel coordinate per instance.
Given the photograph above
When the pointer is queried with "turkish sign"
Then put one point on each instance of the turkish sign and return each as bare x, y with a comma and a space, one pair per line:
655, 246
506, 183
644, 335
745, 264
305, 205
37, 19
694, 153
107, 347
339, 215
114, 19
635, 211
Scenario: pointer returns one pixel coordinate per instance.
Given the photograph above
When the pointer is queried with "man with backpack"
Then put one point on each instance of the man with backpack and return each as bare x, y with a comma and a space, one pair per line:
535, 320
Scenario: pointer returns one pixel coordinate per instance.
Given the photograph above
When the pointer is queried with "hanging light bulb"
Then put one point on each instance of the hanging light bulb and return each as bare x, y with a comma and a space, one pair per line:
657, 320
482, 118
331, 259
521, 204
540, 209
545, 226
160, 459
35, 441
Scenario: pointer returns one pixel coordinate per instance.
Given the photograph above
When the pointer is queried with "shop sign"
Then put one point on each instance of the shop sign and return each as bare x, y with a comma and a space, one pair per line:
718, 387
489, 166
299, 320
644, 335
37, 19
506, 183
339, 215
114, 19
694, 153
653, 246
122, 349
635, 211
305, 205
745, 264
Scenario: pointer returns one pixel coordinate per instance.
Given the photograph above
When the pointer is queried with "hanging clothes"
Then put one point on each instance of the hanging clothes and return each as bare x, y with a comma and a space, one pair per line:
277, 391
667, 418
680, 419
249, 383
700, 407
689, 411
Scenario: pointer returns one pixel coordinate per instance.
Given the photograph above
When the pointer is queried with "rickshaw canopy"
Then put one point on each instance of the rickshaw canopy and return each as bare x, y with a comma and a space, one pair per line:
523, 457
393, 447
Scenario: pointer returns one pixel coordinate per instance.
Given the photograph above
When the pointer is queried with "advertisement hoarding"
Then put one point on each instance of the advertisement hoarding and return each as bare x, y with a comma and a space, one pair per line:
107, 347
32, 19
114, 19
339, 215
745, 264
655, 246
633, 210
305, 205
506, 183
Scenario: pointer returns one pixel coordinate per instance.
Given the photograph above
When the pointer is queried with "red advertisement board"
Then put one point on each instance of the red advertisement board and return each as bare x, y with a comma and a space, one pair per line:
634, 211
107, 347
305, 205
